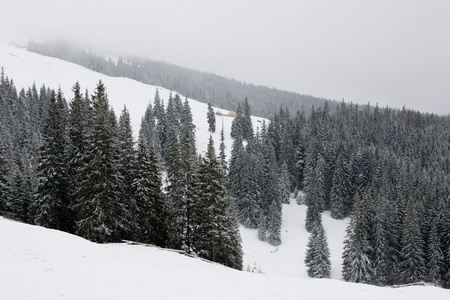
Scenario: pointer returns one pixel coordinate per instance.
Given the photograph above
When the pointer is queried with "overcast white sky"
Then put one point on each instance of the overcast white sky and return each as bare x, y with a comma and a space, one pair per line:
389, 52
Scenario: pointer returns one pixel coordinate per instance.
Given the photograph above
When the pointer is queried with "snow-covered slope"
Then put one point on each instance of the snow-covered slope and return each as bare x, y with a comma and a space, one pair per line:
25, 67
38, 263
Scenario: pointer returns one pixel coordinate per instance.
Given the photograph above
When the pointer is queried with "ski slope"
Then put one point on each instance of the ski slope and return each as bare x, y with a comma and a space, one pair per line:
38, 263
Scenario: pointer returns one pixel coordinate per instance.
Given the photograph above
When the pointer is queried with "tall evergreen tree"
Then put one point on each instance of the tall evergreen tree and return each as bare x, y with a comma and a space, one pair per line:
4, 182
215, 234
237, 126
211, 119
52, 195
126, 171
175, 204
274, 224
222, 155
247, 126
318, 253
412, 265
149, 197
100, 217
314, 202
357, 265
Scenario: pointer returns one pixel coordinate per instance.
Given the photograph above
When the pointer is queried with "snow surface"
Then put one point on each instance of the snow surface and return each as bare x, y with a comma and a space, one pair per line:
38, 263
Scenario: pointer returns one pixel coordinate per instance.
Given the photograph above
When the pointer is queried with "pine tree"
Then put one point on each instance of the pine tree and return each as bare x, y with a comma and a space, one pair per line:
100, 217
52, 195
318, 254
211, 119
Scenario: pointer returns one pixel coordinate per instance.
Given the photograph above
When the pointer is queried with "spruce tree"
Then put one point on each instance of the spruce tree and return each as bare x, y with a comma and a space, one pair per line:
357, 265
318, 254
148, 196
237, 125
4, 182
211, 119
52, 195
175, 204
274, 224
247, 126
77, 136
216, 234
100, 217
126, 169
262, 227
313, 201
285, 184
412, 264
222, 155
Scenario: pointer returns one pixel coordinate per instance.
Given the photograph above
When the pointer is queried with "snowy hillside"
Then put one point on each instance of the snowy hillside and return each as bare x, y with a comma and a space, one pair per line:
38, 263
26, 67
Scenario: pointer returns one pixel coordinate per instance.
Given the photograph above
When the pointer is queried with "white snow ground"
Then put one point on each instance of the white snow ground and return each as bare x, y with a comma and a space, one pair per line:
38, 263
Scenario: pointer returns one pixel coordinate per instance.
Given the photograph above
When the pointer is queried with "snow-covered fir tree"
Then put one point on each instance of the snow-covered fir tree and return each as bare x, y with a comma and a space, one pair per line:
52, 194
211, 117
100, 217
318, 253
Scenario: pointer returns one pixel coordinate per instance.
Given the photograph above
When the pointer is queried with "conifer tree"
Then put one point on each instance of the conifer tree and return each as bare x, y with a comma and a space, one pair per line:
412, 264
222, 155
126, 170
247, 127
435, 258
211, 119
216, 235
100, 217
237, 126
52, 195
4, 182
313, 201
149, 197
357, 265
77, 136
175, 205
340, 191
381, 248
274, 224
285, 184
318, 253
236, 169
262, 226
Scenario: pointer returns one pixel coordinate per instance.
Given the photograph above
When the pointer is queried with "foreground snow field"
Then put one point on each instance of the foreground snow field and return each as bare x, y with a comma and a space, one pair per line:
38, 263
